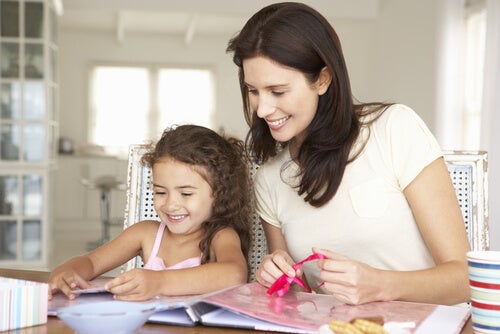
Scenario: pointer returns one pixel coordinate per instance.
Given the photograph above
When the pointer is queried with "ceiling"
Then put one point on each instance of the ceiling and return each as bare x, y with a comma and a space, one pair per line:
187, 18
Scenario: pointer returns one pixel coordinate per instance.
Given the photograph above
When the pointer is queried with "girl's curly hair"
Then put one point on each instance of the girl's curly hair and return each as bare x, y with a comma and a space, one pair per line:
224, 165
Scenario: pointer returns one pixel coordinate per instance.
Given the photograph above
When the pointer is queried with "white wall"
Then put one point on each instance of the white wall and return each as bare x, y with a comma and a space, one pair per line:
390, 58
80, 50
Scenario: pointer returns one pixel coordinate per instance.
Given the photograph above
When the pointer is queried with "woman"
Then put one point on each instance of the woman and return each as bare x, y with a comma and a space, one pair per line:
364, 184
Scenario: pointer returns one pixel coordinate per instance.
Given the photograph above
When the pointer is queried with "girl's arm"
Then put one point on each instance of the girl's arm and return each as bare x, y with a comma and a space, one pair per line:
433, 201
228, 269
77, 271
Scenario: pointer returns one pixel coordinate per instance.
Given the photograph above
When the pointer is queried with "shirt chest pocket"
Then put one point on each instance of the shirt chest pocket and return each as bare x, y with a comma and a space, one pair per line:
370, 199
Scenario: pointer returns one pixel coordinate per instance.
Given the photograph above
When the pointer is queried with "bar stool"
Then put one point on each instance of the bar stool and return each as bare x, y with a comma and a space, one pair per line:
105, 184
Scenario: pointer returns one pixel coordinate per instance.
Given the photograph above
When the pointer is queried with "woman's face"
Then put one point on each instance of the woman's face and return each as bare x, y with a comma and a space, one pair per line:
282, 96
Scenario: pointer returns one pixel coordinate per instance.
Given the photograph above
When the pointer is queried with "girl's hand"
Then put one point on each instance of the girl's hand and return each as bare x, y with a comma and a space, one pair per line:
136, 284
273, 266
350, 281
66, 281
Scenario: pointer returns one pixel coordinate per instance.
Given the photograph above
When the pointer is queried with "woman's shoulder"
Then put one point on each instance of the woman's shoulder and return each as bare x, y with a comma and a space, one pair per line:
396, 115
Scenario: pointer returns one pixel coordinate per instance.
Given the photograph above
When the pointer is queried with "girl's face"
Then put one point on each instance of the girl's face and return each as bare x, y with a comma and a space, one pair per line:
282, 96
182, 198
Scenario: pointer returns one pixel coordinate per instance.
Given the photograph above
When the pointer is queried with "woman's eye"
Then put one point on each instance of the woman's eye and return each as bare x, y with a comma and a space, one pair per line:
278, 93
159, 192
252, 91
187, 194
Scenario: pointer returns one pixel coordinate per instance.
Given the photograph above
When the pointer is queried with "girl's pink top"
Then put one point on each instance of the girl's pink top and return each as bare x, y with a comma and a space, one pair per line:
156, 263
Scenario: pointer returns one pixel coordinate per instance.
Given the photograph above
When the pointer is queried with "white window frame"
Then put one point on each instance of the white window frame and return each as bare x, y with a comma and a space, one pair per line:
154, 126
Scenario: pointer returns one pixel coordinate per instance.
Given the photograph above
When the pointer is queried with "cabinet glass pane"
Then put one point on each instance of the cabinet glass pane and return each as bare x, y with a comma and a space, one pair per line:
10, 94
9, 16
9, 195
8, 240
33, 194
32, 240
9, 56
33, 22
34, 61
9, 142
34, 142
34, 101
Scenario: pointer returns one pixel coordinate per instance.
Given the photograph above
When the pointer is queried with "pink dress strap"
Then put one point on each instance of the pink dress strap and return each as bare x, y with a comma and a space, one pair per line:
156, 263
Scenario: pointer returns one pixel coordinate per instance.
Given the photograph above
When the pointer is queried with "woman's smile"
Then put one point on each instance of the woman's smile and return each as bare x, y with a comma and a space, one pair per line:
277, 124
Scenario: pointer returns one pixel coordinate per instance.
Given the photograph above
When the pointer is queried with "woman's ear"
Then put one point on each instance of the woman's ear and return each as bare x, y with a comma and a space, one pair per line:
324, 80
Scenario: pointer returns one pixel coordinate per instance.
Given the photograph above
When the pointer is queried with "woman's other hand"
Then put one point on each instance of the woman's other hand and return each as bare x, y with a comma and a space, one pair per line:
350, 281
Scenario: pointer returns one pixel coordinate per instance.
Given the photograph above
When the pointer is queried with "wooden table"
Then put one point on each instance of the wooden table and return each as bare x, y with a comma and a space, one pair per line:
56, 326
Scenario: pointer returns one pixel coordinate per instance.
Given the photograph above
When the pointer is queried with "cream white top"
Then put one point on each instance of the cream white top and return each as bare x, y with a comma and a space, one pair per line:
368, 219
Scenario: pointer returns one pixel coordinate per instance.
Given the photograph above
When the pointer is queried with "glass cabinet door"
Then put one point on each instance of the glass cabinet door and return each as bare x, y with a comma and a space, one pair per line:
28, 128
21, 212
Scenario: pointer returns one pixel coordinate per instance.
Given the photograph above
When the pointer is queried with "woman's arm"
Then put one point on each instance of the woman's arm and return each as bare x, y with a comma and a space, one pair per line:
228, 269
434, 205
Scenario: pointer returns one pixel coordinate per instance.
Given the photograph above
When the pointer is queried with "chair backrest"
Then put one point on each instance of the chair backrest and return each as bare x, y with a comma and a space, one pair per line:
468, 171
469, 174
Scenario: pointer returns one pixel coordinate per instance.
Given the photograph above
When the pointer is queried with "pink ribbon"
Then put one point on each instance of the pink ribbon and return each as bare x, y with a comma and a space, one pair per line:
283, 283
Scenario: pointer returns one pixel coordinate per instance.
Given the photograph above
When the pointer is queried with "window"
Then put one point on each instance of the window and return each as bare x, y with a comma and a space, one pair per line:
475, 27
133, 105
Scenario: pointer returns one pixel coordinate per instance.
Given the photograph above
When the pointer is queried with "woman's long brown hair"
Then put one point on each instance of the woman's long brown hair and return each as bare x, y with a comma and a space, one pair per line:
297, 36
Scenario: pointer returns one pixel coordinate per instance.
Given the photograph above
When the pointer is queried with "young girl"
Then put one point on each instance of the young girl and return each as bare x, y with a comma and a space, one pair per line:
201, 195
364, 184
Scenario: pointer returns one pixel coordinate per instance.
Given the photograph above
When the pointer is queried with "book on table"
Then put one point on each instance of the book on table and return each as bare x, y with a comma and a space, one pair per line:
249, 306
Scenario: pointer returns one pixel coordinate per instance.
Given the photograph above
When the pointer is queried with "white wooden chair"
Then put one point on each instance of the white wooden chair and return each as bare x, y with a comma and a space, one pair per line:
468, 171
469, 174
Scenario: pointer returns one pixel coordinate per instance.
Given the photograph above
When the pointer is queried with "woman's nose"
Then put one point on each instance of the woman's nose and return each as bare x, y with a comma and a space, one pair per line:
265, 108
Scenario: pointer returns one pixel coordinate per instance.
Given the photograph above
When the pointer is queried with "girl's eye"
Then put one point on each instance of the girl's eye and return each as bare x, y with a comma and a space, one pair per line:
278, 93
187, 194
252, 91
159, 192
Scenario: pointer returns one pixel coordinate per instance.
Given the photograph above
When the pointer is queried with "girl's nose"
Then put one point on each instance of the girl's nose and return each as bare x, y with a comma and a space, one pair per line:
169, 204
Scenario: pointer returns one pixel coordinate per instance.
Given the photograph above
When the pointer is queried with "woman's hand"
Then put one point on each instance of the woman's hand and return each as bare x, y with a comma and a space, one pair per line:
66, 281
136, 284
350, 281
273, 266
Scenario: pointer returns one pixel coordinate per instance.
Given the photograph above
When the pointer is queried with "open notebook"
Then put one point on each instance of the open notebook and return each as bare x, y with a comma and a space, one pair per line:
249, 306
